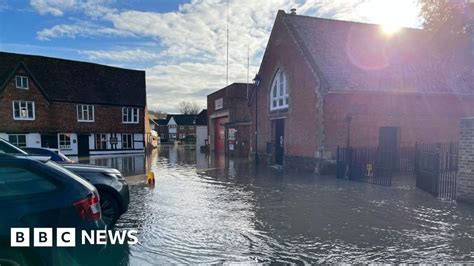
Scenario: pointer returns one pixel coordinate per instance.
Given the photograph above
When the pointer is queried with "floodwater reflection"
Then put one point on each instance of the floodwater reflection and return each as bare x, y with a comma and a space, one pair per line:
213, 210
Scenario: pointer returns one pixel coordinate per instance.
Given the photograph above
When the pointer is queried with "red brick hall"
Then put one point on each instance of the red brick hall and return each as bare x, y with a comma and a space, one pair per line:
229, 120
81, 108
324, 83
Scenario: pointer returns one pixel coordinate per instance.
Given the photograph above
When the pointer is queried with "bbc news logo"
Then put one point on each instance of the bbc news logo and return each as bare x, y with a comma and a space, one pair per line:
66, 237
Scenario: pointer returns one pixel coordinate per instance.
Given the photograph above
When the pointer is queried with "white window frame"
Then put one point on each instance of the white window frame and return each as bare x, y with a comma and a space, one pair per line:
172, 135
279, 96
25, 103
16, 143
23, 82
102, 139
135, 115
182, 136
130, 145
83, 109
65, 146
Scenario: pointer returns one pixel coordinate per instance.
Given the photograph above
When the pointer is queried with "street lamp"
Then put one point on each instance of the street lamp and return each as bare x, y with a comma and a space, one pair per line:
348, 120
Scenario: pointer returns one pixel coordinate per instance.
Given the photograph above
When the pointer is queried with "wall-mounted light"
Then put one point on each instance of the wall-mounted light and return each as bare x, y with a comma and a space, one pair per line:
257, 80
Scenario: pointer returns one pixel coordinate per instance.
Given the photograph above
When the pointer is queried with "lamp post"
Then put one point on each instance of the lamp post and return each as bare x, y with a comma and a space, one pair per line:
256, 82
348, 120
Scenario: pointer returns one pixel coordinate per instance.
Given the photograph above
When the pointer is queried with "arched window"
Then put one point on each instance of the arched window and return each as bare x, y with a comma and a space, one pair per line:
279, 93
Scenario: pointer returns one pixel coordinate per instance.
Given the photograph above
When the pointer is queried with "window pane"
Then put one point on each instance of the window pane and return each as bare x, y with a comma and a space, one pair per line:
25, 82
274, 103
16, 106
280, 102
30, 109
18, 181
79, 113
91, 113
275, 90
286, 100
12, 139
18, 82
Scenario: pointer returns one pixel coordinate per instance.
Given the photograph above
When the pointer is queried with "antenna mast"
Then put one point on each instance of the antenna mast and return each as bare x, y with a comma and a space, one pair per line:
248, 68
227, 60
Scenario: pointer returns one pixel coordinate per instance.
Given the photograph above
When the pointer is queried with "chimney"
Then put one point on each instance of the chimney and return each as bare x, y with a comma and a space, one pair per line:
293, 11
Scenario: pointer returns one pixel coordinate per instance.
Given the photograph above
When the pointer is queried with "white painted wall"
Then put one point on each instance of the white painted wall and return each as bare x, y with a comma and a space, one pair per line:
138, 141
33, 140
172, 122
201, 136
92, 141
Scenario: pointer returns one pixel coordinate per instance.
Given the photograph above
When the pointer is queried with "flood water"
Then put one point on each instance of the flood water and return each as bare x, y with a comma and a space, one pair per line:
208, 210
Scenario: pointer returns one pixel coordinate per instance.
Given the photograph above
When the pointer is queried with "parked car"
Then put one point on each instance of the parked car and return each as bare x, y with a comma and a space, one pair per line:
43, 194
55, 154
112, 187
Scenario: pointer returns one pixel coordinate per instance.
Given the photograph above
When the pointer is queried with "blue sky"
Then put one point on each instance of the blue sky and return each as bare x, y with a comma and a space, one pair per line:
180, 44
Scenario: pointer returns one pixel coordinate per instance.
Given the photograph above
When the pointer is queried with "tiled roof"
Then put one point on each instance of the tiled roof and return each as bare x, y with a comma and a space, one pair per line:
161, 122
359, 56
74, 81
201, 118
182, 119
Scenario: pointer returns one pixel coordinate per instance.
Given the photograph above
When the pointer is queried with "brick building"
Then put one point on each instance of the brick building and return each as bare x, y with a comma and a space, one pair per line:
177, 127
324, 83
80, 108
229, 120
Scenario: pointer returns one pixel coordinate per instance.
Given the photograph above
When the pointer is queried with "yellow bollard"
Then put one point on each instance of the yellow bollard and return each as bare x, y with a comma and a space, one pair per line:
150, 178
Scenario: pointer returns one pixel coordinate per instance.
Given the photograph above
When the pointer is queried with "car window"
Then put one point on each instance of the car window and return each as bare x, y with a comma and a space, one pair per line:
36, 151
16, 181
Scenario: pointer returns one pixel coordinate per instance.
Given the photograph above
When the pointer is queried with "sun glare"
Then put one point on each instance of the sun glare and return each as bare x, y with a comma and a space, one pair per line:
391, 14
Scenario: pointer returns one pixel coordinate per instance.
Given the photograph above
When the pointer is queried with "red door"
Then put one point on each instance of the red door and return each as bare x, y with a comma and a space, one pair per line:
219, 134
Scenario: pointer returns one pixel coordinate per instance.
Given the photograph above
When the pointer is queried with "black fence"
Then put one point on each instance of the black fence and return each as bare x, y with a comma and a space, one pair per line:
436, 168
374, 165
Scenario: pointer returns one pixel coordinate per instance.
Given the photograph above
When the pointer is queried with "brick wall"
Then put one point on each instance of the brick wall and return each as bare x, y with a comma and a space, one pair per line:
425, 118
53, 117
465, 182
301, 117
235, 107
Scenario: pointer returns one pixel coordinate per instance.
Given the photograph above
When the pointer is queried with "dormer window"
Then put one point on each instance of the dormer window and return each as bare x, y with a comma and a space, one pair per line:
279, 92
22, 82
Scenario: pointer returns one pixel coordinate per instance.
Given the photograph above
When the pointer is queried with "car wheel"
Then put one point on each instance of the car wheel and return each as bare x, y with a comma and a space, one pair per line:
109, 208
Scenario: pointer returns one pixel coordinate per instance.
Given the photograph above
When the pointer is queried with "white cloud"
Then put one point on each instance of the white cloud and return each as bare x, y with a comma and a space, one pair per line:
82, 30
53, 7
123, 55
168, 84
93, 8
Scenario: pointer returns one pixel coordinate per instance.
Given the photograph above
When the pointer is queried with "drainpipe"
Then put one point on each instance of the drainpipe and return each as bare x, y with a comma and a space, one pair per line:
256, 84
348, 120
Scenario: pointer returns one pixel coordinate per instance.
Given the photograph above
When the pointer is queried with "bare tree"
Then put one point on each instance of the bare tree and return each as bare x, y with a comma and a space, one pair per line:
189, 108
